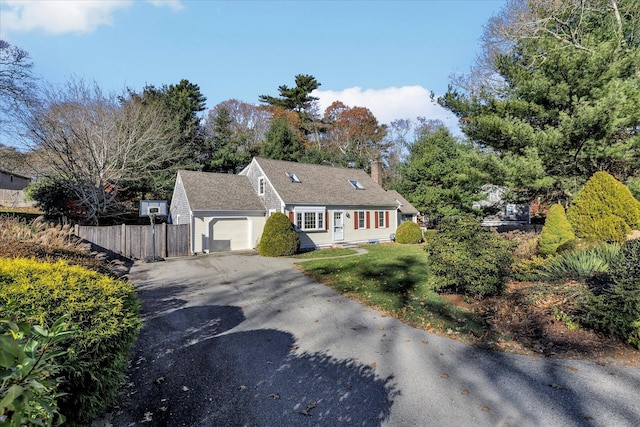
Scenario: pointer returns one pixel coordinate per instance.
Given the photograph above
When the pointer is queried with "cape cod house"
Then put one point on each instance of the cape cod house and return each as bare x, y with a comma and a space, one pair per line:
327, 205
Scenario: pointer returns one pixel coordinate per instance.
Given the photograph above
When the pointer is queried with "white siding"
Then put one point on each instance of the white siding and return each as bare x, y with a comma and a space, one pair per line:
351, 234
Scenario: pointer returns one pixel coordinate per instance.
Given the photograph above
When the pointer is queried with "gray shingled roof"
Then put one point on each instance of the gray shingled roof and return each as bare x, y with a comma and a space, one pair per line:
219, 192
405, 207
323, 185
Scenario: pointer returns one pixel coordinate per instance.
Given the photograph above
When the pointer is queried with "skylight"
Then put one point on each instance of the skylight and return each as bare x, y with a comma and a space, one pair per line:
292, 176
356, 184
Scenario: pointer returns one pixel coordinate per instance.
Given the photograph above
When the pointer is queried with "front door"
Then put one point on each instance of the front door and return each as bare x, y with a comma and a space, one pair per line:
338, 226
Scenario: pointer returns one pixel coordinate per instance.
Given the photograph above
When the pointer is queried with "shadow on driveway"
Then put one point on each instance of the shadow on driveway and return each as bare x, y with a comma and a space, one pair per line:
187, 371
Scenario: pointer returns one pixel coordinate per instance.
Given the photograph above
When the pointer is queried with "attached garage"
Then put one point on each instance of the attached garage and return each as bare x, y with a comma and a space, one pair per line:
224, 212
234, 234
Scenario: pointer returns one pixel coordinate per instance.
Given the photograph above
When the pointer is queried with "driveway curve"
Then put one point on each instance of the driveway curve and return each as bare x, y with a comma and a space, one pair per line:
241, 340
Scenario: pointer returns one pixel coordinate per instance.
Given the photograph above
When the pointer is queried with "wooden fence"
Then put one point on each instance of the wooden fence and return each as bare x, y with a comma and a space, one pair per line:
138, 241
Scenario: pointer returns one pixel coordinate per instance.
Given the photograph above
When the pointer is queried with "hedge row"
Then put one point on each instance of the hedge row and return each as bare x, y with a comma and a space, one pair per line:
104, 310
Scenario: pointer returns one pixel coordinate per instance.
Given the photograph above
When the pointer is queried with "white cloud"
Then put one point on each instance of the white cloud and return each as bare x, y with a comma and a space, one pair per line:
406, 102
65, 16
171, 4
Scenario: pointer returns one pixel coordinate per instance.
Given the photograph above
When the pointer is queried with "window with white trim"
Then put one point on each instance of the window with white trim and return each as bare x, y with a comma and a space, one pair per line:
261, 185
361, 220
310, 220
381, 219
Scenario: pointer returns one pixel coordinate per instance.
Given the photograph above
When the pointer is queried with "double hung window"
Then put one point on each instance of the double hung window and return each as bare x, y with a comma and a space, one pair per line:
310, 220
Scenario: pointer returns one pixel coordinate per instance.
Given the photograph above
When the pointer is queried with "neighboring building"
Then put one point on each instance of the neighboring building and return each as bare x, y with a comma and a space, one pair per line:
12, 187
406, 211
327, 205
506, 213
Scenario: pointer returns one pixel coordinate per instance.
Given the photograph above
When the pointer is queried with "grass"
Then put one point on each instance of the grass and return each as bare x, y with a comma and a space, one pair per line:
325, 253
393, 279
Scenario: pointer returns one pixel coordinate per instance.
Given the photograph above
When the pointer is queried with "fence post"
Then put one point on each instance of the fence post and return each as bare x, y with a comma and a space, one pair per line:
123, 240
163, 242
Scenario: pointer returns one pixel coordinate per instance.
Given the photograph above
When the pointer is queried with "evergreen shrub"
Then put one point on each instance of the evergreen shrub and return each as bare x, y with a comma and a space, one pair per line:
604, 209
279, 238
581, 264
103, 310
464, 257
556, 231
616, 309
408, 232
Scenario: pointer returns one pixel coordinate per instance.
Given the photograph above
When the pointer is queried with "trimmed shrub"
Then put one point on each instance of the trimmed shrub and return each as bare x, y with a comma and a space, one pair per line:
466, 258
104, 311
557, 231
408, 232
278, 237
616, 310
604, 209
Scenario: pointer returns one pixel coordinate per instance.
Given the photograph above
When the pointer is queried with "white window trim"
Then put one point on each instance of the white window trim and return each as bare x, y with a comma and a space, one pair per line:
317, 211
362, 225
382, 223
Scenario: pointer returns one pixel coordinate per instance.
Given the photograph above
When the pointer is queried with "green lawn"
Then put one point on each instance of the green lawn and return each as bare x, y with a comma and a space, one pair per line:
393, 279
325, 253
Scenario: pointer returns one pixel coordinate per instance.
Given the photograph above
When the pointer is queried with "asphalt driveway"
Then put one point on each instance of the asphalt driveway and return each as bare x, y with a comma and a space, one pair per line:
242, 340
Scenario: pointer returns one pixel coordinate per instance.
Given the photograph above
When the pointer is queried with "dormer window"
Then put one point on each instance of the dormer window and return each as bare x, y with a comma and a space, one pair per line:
356, 184
292, 176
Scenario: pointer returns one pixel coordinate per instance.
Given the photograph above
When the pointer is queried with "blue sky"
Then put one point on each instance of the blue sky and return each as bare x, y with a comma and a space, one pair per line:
384, 55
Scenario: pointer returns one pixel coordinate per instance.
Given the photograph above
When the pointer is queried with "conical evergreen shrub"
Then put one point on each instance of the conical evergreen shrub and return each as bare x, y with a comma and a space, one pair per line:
604, 210
556, 231
278, 237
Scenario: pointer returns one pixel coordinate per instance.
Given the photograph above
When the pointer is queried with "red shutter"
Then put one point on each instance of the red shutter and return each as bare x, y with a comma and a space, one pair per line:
375, 218
326, 219
386, 219
355, 220
368, 219
291, 218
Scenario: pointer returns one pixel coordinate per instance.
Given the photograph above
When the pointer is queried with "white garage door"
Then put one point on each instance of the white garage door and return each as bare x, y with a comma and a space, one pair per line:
229, 234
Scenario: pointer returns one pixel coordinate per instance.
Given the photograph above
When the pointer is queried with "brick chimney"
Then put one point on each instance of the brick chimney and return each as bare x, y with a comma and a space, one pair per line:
376, 171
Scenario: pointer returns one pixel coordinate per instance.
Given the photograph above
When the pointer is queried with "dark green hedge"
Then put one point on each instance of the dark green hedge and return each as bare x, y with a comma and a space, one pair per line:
278, 237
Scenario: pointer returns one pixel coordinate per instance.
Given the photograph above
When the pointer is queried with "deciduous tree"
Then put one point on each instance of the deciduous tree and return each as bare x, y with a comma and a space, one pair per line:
17, 86
100, 145
355, 133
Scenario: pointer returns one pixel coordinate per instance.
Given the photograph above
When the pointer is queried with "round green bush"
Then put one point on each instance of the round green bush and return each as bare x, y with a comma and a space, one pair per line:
466, 258
557, 231
604, 209
408, 232
104, 310
278, 237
